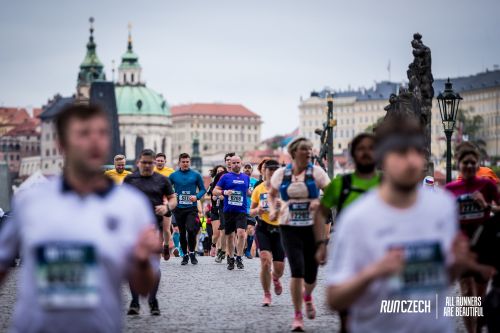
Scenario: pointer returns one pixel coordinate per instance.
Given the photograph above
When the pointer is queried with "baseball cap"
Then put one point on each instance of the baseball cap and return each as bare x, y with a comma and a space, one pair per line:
272, 164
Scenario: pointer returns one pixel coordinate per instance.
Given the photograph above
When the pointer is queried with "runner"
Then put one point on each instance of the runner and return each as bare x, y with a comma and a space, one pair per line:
477, 197
248, 170
396, 243
345, 189
271, 254
227, 160
156, 187
98, 232
119, 173
234, 185
189, 188
165, 171
298, 185
216, 213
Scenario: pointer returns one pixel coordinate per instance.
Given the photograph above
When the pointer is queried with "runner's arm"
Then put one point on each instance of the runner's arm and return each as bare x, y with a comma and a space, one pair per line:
254, 209
217, 191
172, 202
143, 275
201, 188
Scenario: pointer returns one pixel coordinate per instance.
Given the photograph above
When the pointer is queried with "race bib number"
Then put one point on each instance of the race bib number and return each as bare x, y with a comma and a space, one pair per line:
424, 269
263, 201
300, 214
469, 208
184, 198
235, 199
67, 276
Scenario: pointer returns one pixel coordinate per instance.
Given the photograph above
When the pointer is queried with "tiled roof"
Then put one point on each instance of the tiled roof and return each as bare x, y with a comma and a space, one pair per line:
13, 116
27, 128
54, 106
214, 109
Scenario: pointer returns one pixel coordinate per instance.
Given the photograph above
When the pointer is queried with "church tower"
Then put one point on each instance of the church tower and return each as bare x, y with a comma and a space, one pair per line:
91, 69
129, 71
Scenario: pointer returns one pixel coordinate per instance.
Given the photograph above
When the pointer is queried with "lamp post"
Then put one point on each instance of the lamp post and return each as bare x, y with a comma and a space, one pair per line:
448, 101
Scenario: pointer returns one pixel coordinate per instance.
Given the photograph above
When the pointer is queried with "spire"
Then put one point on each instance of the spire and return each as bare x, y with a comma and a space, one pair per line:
129, 71
129, 46
91, 68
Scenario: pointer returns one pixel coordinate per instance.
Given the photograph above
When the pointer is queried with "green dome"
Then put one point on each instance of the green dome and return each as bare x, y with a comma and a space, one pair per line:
140, 100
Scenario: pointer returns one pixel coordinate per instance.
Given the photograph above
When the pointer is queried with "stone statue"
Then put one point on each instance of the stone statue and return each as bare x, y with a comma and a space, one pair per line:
416, 101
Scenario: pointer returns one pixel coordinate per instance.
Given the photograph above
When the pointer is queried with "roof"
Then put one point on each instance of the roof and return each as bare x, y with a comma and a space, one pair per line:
381, 91
483, 80
213, 109
27, 128
140, 100
54, 106
13, 116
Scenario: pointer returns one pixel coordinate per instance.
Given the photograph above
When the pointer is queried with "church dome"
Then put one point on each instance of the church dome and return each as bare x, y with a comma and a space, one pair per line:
140, 100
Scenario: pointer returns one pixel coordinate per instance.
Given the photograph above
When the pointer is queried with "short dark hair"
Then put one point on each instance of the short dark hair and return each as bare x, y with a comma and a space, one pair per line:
161, 155
466, 148
229, 155
398, 133
147, 152
75, 111
357, 140
184, 155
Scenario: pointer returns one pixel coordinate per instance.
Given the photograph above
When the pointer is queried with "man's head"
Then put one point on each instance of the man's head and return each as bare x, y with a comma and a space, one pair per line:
300, 149
269, 167
119, 163
468, 160
83, 134
184, 161
248, 169
145, 162
235, 164
400, 152
362, 153
160, 160
227, 160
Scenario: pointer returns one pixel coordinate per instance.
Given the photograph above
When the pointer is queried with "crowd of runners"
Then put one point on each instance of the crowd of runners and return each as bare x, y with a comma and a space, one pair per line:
395, 235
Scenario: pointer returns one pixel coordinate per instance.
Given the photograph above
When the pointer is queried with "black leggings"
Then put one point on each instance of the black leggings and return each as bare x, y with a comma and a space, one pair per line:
300, 248
185, 219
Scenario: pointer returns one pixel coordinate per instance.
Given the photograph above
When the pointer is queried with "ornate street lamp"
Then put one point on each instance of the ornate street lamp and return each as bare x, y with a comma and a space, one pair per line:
448, 102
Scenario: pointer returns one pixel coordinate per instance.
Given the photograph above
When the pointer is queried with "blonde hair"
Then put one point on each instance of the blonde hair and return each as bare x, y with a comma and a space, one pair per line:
119, 158
294, 145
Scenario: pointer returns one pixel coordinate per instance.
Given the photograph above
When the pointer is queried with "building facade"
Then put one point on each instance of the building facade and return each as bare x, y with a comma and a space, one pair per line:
220, 128
358, 110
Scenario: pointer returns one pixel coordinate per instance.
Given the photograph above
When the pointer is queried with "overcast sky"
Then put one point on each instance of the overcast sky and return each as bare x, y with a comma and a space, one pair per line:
264, 54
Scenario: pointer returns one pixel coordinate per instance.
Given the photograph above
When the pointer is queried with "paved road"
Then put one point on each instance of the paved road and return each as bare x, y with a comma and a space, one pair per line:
208, 298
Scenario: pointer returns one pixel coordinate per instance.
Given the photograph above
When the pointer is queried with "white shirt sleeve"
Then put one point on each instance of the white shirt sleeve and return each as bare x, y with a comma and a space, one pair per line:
344, 254
277, 178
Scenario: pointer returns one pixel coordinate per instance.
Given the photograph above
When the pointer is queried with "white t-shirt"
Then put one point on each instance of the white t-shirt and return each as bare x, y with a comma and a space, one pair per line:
298, 196
75, 255
366, 229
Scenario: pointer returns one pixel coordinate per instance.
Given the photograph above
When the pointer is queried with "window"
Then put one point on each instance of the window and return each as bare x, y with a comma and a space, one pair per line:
47, 152
132, 77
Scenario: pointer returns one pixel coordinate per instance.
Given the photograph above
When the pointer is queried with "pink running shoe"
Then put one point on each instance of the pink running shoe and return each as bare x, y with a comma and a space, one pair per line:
267, 299
278, 288
298, 323
213, 250
310, 308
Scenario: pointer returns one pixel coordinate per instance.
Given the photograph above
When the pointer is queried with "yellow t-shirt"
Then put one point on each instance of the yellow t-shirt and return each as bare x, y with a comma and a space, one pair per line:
166, 171
259, 196
117, 177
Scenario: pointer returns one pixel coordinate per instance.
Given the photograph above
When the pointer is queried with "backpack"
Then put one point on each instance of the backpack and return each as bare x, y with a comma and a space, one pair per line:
346, 190
308, 179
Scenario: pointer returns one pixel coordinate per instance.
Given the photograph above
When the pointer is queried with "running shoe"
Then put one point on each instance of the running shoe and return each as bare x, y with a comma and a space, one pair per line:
212, 251
185, 260
192, 256
223, 255
166, 252
154, 308
267, 299
239, 263
278, 288
219, 258
230, 263
310, 308
134, 308
175, 252
298, 323
248, 255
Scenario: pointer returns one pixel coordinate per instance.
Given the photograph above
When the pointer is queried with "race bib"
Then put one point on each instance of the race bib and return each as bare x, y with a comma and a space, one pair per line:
424, 269
300, 214
263, 201
469, 209
235, 199
184, 198
67, 275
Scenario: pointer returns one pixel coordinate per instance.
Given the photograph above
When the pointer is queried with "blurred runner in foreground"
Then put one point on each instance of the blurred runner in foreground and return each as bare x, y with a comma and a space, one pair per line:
398, 243
80, 236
